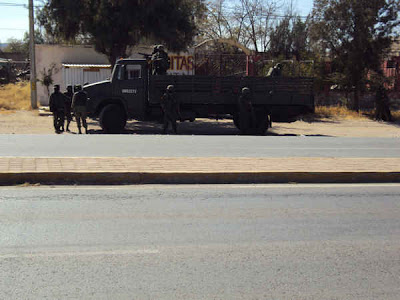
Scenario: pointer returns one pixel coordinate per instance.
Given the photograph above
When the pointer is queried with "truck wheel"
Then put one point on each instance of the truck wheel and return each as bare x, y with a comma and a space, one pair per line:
262, 124
236, 120
112, 118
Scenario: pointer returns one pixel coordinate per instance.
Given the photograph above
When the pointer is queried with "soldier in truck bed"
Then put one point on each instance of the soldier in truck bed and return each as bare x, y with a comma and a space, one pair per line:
170, 109
160, 61
275, 71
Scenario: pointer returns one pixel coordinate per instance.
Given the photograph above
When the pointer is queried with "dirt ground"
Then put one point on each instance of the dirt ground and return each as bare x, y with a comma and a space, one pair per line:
29, 122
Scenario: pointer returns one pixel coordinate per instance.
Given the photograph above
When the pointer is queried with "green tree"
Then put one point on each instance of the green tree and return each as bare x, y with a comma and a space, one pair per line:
356, 35
22, 46
46, 77
15, 45
300, 39
115, 25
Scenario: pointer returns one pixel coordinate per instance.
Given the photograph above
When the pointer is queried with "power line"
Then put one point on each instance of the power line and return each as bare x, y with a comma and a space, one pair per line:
13, 4
18, 29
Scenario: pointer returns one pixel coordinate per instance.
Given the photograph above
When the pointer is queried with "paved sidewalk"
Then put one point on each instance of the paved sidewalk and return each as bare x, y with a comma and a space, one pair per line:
16, 170
194, 164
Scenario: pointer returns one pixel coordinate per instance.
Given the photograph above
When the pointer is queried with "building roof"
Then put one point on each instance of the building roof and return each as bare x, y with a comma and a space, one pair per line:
97, 66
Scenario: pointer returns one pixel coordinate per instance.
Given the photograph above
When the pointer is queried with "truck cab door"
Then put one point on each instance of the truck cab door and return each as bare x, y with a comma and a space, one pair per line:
129, 85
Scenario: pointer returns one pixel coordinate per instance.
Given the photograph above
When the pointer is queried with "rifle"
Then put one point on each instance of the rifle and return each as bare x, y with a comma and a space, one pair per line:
147, 56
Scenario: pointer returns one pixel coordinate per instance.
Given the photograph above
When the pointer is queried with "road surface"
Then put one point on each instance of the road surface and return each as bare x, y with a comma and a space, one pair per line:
200, 242
194, 146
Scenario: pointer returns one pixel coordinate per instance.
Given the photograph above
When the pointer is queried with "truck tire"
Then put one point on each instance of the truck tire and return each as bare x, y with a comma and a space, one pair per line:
112, 118
262, 123
236, 120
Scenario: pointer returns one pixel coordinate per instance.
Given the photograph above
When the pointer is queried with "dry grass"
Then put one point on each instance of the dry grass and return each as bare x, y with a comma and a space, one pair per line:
396, 115
341, 112
15, 96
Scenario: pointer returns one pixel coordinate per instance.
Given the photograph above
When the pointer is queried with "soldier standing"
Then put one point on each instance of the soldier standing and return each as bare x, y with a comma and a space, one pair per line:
382, 111
57, 107
68, 103
170, 109
79, 101
246, 111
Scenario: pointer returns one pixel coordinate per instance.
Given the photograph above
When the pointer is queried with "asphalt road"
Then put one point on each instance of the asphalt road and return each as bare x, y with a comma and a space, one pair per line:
194, 146
200, 242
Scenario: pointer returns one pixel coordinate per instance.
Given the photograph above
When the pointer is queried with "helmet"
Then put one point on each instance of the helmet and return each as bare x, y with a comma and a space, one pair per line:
160, 48
245, 90
170, 88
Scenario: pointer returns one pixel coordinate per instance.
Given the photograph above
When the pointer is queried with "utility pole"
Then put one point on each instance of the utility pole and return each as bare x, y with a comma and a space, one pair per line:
32, 56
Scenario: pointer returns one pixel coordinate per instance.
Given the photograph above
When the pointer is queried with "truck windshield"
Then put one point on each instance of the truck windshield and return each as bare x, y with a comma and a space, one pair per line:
127, 72
133, 71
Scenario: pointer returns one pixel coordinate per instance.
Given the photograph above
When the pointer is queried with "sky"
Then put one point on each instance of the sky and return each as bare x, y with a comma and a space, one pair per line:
14, 20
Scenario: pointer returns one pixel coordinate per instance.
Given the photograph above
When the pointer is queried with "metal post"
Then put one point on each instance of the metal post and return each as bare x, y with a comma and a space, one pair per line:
32, 56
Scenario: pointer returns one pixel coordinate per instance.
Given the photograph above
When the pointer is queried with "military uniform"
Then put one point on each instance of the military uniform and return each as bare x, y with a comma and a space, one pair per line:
246, 111
79, 101
275, 71
170, 109
382, 111
57, 107
160, 61
68, 103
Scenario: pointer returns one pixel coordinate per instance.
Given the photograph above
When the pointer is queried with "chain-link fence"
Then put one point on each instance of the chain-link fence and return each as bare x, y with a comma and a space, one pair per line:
213, 64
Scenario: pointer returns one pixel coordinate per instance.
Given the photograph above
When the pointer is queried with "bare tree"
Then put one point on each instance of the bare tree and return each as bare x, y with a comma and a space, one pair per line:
257, 18
247, 21
217, 23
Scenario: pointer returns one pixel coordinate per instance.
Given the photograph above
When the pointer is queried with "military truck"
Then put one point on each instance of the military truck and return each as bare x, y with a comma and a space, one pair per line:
133, 93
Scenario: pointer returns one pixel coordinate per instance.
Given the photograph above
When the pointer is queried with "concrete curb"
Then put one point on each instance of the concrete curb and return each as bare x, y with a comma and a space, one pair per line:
126, 178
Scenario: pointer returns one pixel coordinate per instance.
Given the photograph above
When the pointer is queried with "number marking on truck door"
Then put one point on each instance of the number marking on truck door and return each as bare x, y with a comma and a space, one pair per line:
129, 91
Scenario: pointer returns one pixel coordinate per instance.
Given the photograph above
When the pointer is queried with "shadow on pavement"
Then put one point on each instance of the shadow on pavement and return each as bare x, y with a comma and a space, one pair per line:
198, 127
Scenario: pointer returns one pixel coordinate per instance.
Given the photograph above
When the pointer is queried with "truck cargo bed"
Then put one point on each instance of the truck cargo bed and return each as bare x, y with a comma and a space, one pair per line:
207, 90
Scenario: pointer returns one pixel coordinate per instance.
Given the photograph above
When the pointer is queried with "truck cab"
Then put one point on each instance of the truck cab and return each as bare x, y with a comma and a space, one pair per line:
129, 84
123, 96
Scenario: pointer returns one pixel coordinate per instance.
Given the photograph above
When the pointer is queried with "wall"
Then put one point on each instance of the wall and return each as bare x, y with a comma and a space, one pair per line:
55, 55
81, 74
181, 64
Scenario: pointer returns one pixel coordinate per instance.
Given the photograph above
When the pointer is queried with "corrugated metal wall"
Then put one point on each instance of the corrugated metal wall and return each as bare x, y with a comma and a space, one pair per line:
73, 76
